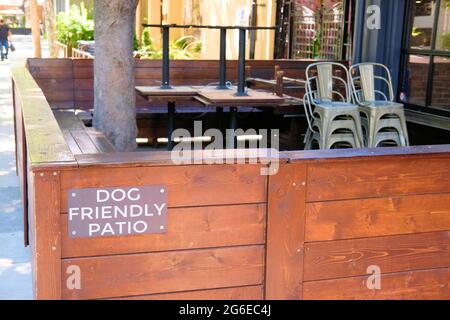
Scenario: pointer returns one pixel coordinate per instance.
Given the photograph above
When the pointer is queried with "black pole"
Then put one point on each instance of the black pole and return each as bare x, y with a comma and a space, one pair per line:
231, 142
170, 124
241, 64
166, 59
223, 60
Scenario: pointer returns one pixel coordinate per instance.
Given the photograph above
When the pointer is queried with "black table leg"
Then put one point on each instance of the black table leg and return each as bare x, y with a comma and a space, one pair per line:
219, 117
223, 60
268, 114
231, 142
170, 124
166, 59
241, 64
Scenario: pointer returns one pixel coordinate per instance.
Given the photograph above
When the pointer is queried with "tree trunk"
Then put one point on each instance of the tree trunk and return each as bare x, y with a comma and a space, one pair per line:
114, 95
35, 28
50, 28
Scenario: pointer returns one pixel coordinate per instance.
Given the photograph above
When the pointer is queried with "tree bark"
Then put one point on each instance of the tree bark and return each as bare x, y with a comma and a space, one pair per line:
50, 28
35, 28
114, 94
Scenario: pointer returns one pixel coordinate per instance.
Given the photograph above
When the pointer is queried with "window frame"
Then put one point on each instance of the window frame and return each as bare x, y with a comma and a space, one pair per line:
430, 53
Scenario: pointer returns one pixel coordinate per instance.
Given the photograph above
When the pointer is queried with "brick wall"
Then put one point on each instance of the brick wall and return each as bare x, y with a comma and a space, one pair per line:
441, 83
418, 81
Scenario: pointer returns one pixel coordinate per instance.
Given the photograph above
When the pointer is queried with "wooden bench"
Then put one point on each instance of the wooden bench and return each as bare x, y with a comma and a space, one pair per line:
81, 139
69, 83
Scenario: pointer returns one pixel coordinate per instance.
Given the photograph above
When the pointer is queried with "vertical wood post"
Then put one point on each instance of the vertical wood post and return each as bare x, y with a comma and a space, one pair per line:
279, 87
139, 16
35, 28
46, 240
286, 233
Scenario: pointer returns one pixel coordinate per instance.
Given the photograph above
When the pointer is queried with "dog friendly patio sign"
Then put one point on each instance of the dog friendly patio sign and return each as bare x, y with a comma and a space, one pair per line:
106, 212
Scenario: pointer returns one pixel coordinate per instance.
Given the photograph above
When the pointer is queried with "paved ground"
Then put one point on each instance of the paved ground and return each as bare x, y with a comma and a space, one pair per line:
15, 268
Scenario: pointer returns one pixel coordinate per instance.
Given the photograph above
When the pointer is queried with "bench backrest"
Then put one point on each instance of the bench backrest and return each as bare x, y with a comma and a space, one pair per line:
68, 83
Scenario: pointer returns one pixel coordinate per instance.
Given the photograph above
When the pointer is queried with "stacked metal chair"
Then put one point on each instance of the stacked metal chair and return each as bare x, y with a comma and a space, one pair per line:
333, 120
383, 120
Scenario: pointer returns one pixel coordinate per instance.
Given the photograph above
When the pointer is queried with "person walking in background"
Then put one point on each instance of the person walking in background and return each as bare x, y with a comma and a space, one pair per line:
5, 39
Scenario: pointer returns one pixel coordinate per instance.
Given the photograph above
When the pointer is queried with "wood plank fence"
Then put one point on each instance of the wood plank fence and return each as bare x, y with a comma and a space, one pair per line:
312, 231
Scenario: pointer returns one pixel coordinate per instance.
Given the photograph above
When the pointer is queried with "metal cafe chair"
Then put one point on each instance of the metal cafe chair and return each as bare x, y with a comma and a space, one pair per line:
332, 117
378, 115
338, 127
388, 139
337, 141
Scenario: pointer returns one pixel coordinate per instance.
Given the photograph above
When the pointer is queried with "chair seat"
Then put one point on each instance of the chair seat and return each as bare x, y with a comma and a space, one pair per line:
383, 105
336, 105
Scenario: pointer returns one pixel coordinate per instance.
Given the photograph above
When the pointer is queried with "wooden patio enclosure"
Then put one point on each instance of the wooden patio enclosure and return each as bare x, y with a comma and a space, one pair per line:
309, 232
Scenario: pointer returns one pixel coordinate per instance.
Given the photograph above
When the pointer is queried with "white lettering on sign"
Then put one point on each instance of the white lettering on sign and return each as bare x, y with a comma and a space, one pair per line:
117, 211
118, 195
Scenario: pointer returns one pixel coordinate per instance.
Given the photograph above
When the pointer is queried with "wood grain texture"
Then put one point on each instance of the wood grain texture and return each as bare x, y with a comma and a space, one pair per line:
142, 274
377, 217
372, 178
44, 138
51, 73
71, 143
164, 158
46, 236
379, 154
79, 138
416, 285
348, 258
49, 62
188, 228
237, 293
21, 159
285, 233
229, 98
195, 185
100, 141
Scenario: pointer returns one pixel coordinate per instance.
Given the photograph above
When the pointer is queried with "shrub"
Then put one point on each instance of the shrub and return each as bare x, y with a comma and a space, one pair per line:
186, 47
74, 25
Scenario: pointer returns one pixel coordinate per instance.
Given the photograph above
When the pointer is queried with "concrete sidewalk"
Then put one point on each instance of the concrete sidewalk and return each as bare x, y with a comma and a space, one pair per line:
15, 267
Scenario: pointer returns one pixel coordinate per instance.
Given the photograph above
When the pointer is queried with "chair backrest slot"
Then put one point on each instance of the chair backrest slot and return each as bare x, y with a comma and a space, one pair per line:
367, 82
329, 79
325, 82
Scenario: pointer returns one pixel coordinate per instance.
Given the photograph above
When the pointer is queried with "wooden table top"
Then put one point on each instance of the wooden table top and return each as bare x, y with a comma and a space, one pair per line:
211, 96
174, 91
228, 97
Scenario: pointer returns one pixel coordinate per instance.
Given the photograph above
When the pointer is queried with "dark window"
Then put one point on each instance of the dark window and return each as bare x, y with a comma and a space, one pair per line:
426, 56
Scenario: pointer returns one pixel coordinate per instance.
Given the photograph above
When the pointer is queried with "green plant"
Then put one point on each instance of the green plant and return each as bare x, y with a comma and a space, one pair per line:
184, 48
74, 25
445, 38
146, 38
415, 32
